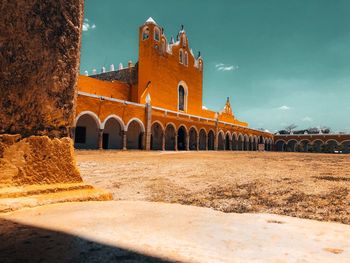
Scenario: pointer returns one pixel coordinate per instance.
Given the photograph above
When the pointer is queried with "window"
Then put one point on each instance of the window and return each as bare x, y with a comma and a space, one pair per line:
80, 134
145, 34
156, 34
181, 98
181, 56
186, 58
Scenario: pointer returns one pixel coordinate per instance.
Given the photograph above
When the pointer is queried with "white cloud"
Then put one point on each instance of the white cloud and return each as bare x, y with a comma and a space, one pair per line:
87, 25
306, 118
223, 67
284, 107
204, 108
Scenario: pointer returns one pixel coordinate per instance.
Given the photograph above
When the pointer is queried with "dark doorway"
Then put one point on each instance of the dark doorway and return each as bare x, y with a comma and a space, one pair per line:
227, 142
211, 139
105, 140
181, 139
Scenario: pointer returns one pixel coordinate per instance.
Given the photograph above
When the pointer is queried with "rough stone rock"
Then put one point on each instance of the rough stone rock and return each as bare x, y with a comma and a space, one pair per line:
39, 62
39, 160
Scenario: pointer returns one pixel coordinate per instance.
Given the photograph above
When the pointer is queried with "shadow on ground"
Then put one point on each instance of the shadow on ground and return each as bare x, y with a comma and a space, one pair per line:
24, 243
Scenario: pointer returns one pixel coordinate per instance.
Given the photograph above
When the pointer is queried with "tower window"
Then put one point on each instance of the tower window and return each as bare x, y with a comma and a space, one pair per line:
181, 98
186, 58
181, 56
145, 34
156, 34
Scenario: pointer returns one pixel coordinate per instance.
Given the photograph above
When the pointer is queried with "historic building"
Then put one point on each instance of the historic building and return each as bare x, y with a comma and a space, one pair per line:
157, 104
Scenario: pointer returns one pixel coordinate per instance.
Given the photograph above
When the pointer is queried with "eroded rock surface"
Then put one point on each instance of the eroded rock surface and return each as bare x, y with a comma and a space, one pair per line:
39, 61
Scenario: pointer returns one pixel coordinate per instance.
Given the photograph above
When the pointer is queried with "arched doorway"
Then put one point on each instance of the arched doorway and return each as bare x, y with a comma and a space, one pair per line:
112, 135
318, 146
170, 134
86, 132
332, 146
134, 136
240, 142
227, 142
193, 139
246, 143
211, 140
251, 143
221, 142
202, 140
181, 138
156, 137
280, 146
234, 146
291, 146
345, 147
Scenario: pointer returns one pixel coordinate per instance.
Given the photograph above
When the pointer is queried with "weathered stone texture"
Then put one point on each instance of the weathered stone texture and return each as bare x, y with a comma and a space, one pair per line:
38, 160
39, 61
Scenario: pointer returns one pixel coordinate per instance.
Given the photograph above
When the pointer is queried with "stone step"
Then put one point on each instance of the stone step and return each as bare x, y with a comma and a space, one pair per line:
54, 195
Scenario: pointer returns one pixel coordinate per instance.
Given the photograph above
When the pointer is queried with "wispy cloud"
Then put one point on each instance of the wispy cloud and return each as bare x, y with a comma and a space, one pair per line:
284, 107
87, 25
306, 118
224, 67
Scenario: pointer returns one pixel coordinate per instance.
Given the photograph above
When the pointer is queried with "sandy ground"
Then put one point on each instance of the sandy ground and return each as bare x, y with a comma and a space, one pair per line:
136, 231
314, 186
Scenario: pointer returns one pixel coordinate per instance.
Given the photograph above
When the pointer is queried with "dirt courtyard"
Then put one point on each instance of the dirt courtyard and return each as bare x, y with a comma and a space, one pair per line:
314, 186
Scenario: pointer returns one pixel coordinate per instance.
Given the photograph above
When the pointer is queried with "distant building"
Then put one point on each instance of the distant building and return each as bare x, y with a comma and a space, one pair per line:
156, 104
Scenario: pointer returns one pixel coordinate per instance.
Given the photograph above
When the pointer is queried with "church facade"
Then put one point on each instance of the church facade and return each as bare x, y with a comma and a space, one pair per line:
156, 104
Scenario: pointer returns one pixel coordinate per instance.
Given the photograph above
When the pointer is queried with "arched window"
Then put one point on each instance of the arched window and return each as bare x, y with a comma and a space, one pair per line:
186, 58
181, 98
156, 34
181, 56
145, 33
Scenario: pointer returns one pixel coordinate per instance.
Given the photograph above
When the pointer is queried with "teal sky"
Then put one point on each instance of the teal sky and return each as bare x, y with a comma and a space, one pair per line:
280, 61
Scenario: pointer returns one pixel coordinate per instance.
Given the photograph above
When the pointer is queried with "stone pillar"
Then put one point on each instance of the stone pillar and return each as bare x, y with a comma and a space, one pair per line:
124, 140
148, 132
187, 141
175, 142
100, 139
39, 62
163, 141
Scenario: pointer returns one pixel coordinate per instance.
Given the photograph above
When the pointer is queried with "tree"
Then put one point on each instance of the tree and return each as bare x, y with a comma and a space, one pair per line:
290, 128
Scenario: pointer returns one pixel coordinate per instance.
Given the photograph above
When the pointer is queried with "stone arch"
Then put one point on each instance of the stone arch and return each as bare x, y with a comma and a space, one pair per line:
157, 133
291, 145
345, 146
87, 128
228, 141
211, 140
170, 134
318, 146
332, 146
193, 135
221, 141
246, 142
202, 140
234, 142
182, 138
134, 134
240, 142
280, 146
304, 146
113, 129
251, 143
